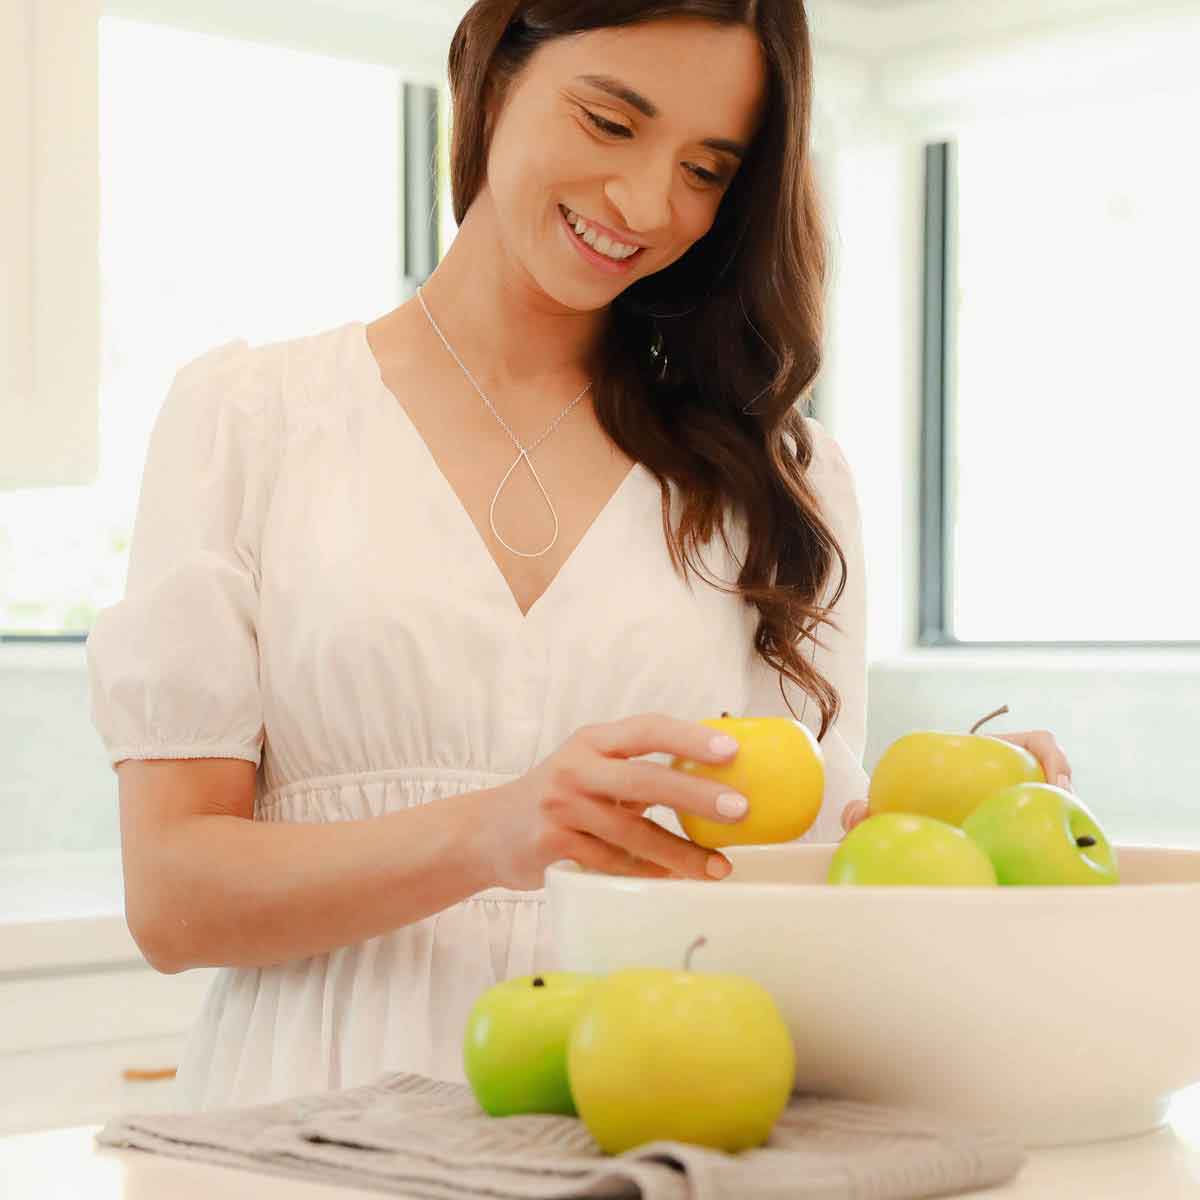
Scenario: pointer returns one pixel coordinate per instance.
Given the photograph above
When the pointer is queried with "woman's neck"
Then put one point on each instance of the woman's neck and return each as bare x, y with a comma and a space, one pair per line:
500, 321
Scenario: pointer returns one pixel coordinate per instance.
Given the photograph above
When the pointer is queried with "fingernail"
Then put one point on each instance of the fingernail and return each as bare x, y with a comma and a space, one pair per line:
723, 744
718, 868
1064, 781
730, 804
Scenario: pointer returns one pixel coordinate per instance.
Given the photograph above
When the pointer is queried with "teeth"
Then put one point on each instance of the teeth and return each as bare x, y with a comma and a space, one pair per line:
601, 243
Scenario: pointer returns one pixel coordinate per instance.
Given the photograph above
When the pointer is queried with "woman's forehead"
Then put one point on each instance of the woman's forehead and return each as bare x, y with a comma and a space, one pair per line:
683, 67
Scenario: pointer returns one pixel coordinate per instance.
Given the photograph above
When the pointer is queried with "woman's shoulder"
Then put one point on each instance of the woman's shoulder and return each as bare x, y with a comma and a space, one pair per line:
830, 472
827, 453
827, 450
261, 378
229, 370
240, 354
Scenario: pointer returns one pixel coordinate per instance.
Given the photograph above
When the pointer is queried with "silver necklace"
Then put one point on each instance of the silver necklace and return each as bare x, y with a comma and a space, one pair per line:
524, 453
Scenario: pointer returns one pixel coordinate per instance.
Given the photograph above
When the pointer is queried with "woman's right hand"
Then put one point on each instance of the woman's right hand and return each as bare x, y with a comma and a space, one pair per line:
586, 802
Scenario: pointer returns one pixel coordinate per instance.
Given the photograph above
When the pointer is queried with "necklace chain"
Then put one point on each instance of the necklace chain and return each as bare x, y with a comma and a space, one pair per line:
524, 451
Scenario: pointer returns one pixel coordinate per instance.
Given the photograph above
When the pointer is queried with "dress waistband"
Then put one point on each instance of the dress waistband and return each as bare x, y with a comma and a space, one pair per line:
502, 895
463, 779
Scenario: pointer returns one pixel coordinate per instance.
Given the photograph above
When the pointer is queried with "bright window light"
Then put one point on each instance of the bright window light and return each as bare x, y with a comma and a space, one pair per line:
1072, 435
247, 191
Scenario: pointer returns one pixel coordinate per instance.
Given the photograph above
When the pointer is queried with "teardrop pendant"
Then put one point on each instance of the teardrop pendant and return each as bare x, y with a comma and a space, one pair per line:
492, 511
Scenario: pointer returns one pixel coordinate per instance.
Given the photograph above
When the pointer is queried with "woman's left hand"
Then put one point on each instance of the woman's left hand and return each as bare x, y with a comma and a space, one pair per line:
1041, 743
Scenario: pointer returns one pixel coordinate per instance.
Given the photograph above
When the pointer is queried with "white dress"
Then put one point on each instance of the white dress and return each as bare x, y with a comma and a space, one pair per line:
305, 591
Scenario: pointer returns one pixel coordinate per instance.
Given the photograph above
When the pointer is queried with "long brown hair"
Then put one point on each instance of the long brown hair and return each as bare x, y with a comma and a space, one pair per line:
702, 364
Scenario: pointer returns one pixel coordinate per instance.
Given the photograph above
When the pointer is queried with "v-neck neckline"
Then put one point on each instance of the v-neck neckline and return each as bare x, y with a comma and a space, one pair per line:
545, 596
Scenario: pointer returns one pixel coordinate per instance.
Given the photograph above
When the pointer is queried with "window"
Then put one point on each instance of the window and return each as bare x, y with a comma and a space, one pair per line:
1061, 405
248, 190
260, 195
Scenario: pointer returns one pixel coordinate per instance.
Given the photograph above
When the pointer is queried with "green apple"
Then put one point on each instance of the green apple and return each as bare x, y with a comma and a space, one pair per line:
680, 1055
779, 768
903, 848
515, 1049
946, 775
1036, 833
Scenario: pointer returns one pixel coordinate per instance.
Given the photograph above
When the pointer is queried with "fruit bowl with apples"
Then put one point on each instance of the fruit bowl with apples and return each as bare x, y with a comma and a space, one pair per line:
1000, 961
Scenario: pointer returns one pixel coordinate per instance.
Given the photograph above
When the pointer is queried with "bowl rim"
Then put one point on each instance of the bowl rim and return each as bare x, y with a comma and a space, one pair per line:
571, 873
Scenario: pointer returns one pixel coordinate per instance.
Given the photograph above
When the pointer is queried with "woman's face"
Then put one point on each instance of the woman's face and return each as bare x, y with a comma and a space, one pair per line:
643, 164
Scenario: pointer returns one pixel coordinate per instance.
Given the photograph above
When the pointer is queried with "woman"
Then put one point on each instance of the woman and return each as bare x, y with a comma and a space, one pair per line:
407, 599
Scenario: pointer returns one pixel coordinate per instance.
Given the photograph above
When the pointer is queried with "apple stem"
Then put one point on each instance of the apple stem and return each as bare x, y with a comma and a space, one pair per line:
538, 981
687, 958
1002, 709
724, 714
1085, 841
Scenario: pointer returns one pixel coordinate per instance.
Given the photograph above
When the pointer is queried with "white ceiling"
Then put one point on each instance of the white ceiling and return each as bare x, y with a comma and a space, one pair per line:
877, 31
879, 27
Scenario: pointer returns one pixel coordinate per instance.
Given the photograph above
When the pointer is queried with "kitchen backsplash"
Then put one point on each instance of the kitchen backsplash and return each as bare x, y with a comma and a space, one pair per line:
57, 790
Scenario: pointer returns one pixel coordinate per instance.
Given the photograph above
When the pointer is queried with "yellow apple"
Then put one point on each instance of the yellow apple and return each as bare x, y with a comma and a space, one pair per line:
948, 775
663, 1055
779, 768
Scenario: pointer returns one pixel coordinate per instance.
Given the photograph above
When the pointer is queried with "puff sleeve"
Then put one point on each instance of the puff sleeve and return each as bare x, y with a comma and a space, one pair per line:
173, 666
842, 659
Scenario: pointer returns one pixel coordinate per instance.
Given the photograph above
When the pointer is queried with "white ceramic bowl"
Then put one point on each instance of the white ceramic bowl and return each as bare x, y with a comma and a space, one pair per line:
1051, 1014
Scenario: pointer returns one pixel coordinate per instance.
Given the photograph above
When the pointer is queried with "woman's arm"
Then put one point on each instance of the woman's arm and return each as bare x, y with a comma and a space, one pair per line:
206, 885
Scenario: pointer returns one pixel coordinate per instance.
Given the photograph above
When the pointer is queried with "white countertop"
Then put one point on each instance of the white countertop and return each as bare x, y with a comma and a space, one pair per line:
65, 1164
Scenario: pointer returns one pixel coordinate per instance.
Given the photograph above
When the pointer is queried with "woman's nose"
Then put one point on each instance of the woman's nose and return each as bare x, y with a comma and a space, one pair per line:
643, 200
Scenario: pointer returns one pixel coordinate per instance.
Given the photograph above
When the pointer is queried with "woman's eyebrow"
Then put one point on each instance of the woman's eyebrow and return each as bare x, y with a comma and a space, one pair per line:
616, 87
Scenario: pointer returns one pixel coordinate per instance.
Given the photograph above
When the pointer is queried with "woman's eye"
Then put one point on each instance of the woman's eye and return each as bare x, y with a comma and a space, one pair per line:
624, 131
608, 126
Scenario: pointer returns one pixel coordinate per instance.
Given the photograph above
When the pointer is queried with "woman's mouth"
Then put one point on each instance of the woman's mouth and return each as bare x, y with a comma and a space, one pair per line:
596, 248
